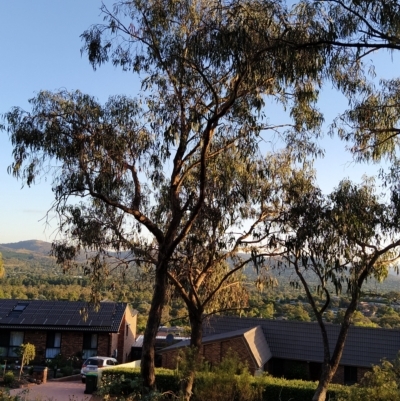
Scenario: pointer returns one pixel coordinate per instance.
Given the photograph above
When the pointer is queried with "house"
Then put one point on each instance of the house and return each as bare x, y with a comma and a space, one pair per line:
292, 349
248, 343
165, 336
67, 328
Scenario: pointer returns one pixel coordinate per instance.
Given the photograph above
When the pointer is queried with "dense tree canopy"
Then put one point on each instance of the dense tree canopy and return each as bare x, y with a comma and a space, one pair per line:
337, 243
205, 69
142, 174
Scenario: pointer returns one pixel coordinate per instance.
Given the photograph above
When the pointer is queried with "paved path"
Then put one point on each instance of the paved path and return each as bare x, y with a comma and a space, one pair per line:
55, 391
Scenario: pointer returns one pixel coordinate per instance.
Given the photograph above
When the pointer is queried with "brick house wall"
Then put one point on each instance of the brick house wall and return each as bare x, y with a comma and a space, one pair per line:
338, 378
103, 344
70, 339
240, 347
71, 343
38, 339
214, 352
339, 375
361, 372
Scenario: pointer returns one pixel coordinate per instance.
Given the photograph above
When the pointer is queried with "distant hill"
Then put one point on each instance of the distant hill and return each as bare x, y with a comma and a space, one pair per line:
27, 255
34, 245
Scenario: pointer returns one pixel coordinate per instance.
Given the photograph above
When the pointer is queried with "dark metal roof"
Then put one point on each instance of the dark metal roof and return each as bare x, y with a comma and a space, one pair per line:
303, 341
60, 315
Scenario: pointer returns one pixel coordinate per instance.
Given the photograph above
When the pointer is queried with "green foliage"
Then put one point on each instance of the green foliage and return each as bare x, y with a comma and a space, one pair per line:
380, 384
5, 396
224, 382
27, 353
67, 370
229, 380
360, 320
123, 381
282, 389
9, 378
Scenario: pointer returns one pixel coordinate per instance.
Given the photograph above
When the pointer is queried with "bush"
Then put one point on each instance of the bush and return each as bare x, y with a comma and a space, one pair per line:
5, 396
229, 381
299, 390
9, 378
67, 370
380, 384
124, 381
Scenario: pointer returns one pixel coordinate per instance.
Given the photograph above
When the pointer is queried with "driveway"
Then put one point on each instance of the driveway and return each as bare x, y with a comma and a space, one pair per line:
55, 391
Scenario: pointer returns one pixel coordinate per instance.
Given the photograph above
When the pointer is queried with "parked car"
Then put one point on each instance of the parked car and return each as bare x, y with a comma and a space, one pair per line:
94, 363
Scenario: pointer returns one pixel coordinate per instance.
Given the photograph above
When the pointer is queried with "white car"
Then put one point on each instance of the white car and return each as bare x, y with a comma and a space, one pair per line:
94, 363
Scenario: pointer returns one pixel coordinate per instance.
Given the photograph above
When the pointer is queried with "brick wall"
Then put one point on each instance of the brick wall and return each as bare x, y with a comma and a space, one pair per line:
214, 353
38, 339
71, 343
103, 344
339, 375
361, 372
240, 347
169, 359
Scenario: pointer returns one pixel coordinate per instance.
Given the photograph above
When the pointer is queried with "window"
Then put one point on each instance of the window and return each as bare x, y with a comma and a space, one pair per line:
18, 309
89, 345
4, 342
350, 374
53, 344
10, 341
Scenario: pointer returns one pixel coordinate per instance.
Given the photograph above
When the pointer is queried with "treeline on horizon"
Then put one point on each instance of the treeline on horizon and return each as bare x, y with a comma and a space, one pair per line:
30, 275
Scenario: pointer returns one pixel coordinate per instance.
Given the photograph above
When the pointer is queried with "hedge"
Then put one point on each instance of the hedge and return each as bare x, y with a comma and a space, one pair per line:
298, 390
123, 381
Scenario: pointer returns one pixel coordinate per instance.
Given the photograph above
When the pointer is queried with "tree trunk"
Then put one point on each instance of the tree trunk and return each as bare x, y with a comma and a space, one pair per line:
329, 367
326, 377
196, 336
153, 323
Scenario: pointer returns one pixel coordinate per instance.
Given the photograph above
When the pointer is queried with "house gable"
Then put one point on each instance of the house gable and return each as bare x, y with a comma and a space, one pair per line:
249, 344
302, 341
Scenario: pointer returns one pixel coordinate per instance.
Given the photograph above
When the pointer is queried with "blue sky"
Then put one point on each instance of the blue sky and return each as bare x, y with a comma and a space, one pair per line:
40, 49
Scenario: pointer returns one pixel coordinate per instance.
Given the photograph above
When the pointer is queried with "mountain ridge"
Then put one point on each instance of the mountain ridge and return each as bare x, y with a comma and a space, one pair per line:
36, 246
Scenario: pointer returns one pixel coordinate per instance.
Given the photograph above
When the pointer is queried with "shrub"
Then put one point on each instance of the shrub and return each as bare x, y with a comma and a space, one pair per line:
230, 380
282, 389
5, 396
9, 378
380, 384
67, 370
124, 381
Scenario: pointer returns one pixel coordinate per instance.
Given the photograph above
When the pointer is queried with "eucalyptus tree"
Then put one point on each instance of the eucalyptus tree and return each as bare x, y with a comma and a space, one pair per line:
133, 174
371, 123
238, 215
337, 243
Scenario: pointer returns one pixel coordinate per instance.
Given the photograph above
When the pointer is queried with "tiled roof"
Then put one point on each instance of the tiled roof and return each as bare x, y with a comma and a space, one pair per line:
254, 338
60, 315
303, 341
